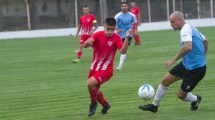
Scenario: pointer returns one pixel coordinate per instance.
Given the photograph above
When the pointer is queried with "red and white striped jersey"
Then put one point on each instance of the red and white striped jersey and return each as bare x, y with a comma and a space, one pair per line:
104, 50
86, 22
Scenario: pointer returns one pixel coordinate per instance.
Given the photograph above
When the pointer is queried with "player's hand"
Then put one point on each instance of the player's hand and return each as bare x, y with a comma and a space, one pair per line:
91, 33
119, 30
169, 63
129, 32
138, 24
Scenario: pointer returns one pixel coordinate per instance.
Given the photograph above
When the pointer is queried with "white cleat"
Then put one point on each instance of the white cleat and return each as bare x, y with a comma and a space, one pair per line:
119, 68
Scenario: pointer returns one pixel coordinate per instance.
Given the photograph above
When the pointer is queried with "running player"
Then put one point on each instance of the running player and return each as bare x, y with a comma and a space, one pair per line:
105, 44
124, 20
87, 26
136, 11
191, 69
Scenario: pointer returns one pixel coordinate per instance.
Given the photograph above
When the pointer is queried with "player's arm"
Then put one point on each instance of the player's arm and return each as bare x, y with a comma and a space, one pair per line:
183, 51
206, 45
138, 22
124, 48
78, 30
88, 43
205, 42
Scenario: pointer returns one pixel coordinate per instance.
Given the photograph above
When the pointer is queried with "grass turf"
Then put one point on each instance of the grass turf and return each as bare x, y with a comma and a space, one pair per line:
38, 80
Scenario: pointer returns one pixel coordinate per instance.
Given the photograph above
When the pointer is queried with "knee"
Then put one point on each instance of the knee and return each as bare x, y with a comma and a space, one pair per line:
165, 82
91, 83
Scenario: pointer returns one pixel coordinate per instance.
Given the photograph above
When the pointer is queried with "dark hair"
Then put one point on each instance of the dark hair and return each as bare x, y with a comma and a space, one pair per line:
85, 5
110, 21
124, 3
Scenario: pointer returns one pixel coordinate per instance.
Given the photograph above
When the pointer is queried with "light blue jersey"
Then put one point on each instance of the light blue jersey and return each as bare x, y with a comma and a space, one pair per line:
196, 57
124, 22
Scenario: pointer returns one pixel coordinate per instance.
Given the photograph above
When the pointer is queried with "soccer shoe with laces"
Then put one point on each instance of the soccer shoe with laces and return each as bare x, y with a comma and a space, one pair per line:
105, 109
92, 109
195, 105
76, 61
149, 107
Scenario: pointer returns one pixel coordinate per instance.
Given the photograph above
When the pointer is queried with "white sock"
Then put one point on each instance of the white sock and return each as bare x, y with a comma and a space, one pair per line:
122, 59
161, 91
190, 97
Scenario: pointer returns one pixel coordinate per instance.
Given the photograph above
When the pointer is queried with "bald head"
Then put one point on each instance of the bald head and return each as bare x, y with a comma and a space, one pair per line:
177, 20
177, 15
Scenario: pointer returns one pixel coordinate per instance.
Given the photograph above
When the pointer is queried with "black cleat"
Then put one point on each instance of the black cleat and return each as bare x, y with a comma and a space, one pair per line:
149, 107
92, 109
105, 109
195, 105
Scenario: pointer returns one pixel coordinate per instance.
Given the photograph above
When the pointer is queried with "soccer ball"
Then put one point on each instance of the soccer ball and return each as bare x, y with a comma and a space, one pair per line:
146, 92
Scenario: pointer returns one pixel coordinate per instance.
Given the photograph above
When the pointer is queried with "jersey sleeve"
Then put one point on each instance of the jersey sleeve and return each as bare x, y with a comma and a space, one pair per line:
94, 19
133, 18
186, 33
202, 36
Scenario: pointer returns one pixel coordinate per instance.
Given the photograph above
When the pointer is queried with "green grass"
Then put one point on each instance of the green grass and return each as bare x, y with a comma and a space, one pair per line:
38, 80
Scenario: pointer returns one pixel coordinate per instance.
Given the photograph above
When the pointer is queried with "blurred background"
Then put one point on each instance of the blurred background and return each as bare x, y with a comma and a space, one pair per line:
18, 15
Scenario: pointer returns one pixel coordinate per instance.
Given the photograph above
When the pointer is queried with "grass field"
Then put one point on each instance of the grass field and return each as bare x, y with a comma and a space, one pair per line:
38, 80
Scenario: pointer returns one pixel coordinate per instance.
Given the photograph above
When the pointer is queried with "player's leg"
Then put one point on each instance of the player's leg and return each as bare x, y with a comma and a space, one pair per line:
173, 76
93, 91
136, 38
190, 81
79, 52
123, 56
102, 77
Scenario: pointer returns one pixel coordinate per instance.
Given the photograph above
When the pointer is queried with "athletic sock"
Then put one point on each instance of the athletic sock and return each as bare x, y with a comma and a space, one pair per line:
101, 99
93, 95
122, 59
190, 97
161, 91
79, 53
137, 39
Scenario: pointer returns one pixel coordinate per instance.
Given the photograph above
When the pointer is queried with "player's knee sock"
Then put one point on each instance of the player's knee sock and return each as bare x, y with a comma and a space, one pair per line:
122, 59
101, 99
79, 53
161, 91
137, 39
190, 97
93, 95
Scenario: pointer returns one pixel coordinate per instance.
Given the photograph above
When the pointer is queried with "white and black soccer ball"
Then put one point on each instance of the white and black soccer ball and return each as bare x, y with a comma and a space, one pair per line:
146, 92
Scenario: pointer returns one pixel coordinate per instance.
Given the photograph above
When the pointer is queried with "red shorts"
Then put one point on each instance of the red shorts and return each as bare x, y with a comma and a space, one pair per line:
84, 38
101, 76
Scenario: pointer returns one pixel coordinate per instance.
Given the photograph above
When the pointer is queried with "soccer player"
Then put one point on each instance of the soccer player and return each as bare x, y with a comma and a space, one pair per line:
87, 26
105, 44
136, 11
191, 69
124, 20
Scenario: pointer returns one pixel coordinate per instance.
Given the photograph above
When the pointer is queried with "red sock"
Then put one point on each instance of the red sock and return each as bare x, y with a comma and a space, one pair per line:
79, 53
137, 39
101, 99
93, 96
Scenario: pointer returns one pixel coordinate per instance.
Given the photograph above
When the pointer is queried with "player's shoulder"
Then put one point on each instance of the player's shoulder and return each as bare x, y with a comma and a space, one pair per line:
118, 14
186, 28
90, 14
132, 14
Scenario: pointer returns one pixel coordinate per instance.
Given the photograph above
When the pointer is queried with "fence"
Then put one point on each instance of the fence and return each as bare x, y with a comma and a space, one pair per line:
51, 14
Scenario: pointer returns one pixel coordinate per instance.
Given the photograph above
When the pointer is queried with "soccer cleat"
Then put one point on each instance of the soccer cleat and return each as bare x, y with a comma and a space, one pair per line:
195, 105
105, 109
149, 107
92, 109
76, 60
119, 68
